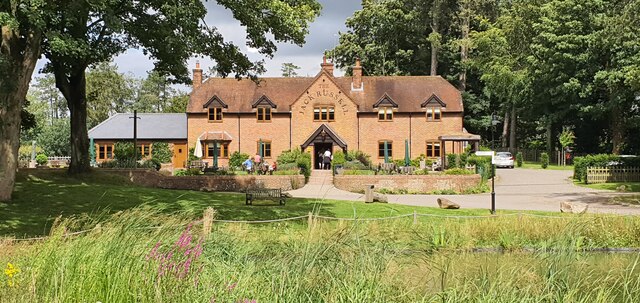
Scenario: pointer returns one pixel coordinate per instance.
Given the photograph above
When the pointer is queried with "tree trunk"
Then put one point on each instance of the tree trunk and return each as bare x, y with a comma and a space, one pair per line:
464, 48
73, 88
550, 141
19, 53
512, 130
505, 129
434, 38
618, 129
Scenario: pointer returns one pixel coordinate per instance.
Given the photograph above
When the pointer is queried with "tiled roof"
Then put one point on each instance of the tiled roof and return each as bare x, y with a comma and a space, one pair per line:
150, 127
409, 92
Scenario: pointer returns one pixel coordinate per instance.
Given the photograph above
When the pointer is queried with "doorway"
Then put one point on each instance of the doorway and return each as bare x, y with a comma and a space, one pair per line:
318, 151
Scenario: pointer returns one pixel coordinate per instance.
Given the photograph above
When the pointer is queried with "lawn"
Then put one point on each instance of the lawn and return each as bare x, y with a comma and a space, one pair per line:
536, 165
629, 186
41, 196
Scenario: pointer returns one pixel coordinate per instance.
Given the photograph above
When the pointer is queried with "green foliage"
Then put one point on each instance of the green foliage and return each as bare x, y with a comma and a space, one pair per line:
25, 151
566, 138
289, 69
191, 156
108, 92
416, 162
544, 160
124, 150
41, 159
301, 159
339, 158
458, 171
358, 172
358, 155
452, 161
236, 159
354, 164
483, 165
187, 172
580, 164
152, 163
54, 139
161, 152
519, 159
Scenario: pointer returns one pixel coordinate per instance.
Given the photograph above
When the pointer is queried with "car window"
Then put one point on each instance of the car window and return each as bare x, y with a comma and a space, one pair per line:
504, 154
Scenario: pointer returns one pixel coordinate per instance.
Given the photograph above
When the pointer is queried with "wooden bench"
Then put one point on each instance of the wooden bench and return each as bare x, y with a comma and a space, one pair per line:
264, 194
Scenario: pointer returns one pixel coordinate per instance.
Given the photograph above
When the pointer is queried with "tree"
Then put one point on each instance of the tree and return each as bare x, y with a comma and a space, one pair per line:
85, 33
108, 92
54, 138
289, 69
21, 24
177, 103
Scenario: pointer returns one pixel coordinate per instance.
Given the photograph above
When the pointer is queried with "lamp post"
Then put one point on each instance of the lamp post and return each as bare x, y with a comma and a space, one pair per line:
494, 122
135, 138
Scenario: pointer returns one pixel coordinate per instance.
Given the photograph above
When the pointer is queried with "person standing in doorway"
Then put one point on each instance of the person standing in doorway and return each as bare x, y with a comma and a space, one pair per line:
327, 159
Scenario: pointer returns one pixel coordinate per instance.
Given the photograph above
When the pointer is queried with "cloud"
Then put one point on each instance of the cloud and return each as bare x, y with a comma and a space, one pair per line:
322, 36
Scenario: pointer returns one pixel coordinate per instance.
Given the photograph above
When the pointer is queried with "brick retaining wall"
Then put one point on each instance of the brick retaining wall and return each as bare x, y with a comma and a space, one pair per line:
151, 178
410, 183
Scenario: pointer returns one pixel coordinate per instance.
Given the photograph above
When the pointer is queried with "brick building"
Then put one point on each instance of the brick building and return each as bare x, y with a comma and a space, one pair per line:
326, 112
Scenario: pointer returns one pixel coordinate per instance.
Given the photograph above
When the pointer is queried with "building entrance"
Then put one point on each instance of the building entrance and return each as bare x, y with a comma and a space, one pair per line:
318, 152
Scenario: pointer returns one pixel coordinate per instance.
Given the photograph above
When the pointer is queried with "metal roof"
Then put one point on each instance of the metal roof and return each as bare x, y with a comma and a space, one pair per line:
150, 126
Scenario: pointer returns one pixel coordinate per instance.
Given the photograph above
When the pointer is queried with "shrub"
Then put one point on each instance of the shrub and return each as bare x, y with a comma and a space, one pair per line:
301, 159
339, 158
483, 165
124, 151
416, 162
191, 156
118, 163
289, 156
544, 160
452, 161
358, 172
24, 153
360, 156
187, 172
161, 152
42, 159
457, 171
580, 164
354, 164
288, 166
237, 158
152, 163
519, 159
421, 172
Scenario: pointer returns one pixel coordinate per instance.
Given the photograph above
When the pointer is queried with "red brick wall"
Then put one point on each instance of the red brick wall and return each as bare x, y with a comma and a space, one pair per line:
150, 178
413, 184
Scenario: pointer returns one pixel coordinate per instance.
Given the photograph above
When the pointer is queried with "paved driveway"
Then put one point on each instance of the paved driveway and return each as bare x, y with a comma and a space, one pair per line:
529, 189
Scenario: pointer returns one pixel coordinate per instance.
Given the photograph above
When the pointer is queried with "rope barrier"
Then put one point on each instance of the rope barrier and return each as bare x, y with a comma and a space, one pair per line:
333, 218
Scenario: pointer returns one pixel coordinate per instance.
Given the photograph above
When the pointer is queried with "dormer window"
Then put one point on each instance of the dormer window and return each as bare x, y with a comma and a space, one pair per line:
433, 107
434, 113
263, 114
214, 109
385, 114
215, 114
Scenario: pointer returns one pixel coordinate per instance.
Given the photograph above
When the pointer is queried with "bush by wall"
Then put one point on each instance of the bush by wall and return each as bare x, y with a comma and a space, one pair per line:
519, 159
301, 159
358, 155
452, 161
161, 152
339, 158
458, 171
41, 159
544, 160
580, 164
236, 159
483, 166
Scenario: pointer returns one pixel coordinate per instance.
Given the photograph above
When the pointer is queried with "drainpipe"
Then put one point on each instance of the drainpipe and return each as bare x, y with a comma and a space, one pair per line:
410, 142
239, 132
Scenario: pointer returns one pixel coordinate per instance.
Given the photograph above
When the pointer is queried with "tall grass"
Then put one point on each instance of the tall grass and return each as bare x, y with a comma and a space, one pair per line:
326, 262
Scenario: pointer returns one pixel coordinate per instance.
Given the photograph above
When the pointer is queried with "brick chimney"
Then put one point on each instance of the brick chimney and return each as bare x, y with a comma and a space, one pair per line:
326, 65
197, 76
356, 82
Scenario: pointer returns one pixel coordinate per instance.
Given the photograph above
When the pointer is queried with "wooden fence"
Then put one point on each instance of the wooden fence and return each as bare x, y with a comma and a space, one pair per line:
613, 174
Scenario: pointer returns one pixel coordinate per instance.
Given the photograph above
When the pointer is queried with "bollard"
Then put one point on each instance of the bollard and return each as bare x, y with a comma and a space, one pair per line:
368, 193
415, 217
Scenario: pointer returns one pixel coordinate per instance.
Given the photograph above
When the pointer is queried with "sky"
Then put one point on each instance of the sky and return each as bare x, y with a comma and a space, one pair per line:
323, 35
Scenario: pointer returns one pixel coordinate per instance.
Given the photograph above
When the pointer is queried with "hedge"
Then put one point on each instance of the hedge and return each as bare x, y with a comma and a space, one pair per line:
580, 164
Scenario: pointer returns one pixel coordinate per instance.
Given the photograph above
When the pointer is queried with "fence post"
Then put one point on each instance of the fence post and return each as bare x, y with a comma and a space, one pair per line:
207, 221
310, 220
415, 217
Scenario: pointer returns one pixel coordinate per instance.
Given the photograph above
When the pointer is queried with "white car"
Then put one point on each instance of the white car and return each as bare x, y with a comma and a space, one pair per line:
504, 159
